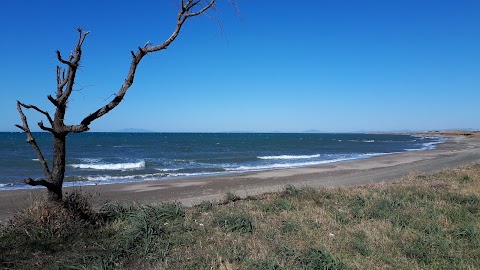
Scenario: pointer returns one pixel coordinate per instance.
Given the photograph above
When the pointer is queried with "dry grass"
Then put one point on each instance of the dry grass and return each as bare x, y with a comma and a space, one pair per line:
419, 222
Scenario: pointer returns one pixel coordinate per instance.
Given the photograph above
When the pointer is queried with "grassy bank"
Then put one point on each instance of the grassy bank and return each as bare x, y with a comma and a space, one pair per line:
419, 222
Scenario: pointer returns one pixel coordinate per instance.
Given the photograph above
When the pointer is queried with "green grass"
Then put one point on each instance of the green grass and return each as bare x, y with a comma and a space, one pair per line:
419, 222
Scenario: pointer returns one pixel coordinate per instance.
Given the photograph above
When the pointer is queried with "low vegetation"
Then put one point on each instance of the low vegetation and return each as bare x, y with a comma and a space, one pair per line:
419, 222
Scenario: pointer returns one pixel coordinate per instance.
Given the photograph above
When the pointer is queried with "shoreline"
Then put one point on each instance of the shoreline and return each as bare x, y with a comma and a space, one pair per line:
125, 179
458, 150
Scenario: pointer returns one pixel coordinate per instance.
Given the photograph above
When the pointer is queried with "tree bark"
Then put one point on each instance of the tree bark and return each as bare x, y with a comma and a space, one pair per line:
59, 163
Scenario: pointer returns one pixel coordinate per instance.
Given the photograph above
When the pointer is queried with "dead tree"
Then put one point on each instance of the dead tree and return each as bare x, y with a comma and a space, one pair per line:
53, 178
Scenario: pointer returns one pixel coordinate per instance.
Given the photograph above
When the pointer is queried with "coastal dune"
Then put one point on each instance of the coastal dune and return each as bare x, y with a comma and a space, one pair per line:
458, 150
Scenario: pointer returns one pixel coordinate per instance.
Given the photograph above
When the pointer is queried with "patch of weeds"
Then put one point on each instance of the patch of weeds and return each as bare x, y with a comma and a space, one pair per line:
278, 205
204, 206
270, 264
458, 215
117, 211
79, 205
465, 179
289, 227
341, 216
471, 201
430, 227
291, 190
145, 230
286, 250
428, 249
322, 196
419, 196
400, 219
357, 205
236, 222
421, 177
234, 253
468, 231
168, 211
383, 208
199, 261
143, 227
271, 235
360, 244
318, 258
231, 197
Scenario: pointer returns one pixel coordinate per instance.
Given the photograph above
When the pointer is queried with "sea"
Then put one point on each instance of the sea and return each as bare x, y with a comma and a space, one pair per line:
105, 158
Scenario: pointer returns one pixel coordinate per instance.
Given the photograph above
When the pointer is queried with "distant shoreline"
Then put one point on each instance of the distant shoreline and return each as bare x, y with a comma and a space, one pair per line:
458, 150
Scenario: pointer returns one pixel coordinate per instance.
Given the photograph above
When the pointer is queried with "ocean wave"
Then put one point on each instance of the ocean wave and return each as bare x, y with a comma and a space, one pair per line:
429, 145
110, 166
299, 164
280, 166
140, 177
101, 178
290, 157
368, 141
91, 160
167, 170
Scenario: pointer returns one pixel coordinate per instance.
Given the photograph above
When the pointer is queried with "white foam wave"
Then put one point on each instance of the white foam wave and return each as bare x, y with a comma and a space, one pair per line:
290, 157
429, 145
111, 166
167, 170
298, 164
124, 177
369, 141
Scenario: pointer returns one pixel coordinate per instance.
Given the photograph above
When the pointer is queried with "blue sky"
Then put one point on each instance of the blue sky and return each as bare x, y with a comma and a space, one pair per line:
334, 66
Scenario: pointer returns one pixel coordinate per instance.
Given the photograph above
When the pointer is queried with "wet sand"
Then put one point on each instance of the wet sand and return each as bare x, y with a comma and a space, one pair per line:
458, 150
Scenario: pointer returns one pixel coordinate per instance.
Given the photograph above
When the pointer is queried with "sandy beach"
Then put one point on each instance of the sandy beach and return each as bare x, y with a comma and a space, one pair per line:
458, 150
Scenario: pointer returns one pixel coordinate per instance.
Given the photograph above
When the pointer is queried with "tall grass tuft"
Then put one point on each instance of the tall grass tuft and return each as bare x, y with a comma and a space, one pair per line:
236, 222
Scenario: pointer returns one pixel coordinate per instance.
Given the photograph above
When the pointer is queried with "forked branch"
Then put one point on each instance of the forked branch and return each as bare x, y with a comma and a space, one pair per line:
30, 139
38, 110
65, 83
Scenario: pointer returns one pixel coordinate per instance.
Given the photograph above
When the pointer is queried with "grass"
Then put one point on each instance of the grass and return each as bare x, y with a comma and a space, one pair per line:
424, 221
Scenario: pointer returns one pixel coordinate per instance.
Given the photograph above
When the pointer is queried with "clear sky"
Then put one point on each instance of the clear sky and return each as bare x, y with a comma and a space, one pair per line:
334, 66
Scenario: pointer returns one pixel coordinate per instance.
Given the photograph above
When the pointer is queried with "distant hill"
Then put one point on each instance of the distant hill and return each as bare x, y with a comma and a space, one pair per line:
134, 130
312, 131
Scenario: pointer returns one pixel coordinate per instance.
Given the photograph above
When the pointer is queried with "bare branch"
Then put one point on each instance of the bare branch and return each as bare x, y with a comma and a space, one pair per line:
82, 36
182, 16
39, 182
208, 6
61, 81
31, 140
61, 60
38, 110
40, 124
76, 128
73, 63
52, 100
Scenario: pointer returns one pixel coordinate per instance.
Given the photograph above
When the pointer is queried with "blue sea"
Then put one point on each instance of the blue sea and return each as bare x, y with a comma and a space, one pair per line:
105, 158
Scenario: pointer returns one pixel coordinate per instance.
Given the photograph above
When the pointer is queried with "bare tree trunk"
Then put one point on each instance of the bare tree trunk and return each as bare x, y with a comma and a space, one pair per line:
59, 163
